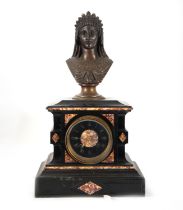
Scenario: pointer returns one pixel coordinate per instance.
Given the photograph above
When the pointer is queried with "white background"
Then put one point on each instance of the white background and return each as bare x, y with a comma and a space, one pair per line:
144, 39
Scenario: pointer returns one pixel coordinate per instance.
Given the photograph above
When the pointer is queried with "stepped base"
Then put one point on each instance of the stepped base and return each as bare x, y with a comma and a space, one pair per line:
87, 180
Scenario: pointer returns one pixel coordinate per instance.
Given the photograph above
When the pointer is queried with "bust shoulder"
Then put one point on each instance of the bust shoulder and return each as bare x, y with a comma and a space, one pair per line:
89, 72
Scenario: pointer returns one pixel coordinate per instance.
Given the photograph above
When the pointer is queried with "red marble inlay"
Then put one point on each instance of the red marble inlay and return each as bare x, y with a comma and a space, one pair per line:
90, 188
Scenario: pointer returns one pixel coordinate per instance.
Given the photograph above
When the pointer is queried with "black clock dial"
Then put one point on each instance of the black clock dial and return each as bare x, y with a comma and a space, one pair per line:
89, 139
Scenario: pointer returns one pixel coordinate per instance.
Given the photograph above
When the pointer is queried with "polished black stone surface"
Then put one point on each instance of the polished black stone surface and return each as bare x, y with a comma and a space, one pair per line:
52, 183
90, 103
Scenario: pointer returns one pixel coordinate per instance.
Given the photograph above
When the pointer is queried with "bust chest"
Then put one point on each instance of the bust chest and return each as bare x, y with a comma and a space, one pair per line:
89, 72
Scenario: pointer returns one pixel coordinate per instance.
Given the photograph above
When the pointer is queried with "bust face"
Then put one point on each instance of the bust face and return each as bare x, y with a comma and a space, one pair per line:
88, 36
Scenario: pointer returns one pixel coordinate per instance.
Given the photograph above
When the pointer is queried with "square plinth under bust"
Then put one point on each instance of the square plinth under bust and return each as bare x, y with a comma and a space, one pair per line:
89, 157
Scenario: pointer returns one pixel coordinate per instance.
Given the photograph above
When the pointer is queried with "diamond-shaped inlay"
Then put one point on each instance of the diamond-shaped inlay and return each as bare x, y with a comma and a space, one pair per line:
55, 137
90, 188
122, 137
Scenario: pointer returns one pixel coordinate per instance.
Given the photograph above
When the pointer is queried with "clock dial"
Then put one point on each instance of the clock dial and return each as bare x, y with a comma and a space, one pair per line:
89, 139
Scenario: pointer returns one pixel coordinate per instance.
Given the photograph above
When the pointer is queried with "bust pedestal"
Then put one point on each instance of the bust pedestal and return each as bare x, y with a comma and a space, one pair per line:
97, 167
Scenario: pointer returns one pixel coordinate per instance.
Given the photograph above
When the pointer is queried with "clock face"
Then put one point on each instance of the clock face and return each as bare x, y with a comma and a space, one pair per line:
89, 139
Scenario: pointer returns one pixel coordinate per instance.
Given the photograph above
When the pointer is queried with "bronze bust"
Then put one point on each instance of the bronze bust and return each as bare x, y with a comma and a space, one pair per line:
89, 63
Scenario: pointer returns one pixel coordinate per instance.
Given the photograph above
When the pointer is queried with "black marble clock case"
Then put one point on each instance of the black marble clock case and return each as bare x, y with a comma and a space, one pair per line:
59, 175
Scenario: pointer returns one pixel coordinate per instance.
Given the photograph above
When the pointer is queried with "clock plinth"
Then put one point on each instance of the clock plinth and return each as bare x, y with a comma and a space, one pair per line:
89, 156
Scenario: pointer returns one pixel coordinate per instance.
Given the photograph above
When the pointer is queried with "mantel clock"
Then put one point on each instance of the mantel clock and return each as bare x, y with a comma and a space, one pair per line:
89, 134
